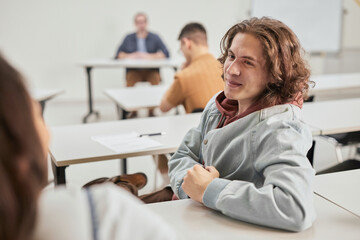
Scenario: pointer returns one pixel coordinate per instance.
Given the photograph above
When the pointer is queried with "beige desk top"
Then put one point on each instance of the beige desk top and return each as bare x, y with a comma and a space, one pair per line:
341, 188
335, 82
45, 94
131, 63
135, 98
73, 144
336, 116
192, 220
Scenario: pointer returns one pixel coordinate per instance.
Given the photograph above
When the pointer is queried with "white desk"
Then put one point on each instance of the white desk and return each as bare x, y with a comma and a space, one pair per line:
122, 63
130, 63
341, 188
136, 98
192, 220
43, 95
332, 117
73, 144
335, 83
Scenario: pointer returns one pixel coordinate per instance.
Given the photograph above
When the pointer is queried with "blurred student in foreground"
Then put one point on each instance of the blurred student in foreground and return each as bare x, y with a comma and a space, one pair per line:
27, 211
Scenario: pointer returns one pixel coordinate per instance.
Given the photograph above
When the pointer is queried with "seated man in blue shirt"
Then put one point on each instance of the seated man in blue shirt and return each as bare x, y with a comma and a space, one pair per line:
142, 45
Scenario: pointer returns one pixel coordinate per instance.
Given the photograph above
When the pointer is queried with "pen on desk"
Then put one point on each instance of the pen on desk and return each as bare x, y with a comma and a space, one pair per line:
152, 134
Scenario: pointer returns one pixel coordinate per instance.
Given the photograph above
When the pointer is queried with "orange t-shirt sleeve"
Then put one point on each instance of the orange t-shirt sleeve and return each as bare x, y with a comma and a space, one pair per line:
175, 95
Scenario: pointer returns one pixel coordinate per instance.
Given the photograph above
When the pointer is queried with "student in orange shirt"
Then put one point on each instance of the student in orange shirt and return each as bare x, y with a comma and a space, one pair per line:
200, 77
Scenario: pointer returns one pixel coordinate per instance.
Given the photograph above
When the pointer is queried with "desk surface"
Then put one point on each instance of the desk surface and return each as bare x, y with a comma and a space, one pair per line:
135, 98
45, 94
73, 144
131, 63
331, 117
335, 82
341, 188
192, 220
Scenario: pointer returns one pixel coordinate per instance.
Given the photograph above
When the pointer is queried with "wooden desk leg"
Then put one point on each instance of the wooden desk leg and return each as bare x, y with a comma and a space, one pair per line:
90, 100
124, 166
59, 174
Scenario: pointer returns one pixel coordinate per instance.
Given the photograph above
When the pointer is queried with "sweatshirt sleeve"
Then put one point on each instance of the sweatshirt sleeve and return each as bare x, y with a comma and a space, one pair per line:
285, 199
188, 153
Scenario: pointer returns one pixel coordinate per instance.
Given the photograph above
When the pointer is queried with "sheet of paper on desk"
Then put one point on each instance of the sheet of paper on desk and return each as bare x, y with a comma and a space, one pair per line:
126, 142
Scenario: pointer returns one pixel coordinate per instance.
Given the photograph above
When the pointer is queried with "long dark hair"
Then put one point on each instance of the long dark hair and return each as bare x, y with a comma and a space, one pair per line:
23, 170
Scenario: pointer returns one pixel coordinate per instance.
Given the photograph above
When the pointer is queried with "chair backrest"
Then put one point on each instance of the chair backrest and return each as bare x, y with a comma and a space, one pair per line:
197, 110
310, 154
310, 98
347, 138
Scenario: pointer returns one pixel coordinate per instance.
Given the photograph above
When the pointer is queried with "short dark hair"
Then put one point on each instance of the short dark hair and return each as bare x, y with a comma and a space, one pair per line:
284, 57
195, 32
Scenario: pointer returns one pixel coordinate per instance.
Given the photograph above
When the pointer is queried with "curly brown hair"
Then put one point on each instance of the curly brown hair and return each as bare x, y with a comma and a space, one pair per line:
283, 54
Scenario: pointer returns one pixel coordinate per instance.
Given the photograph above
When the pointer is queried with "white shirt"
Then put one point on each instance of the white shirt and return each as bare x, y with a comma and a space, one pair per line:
104, 212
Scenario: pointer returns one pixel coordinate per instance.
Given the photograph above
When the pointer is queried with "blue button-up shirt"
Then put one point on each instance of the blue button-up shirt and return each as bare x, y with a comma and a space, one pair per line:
153, 44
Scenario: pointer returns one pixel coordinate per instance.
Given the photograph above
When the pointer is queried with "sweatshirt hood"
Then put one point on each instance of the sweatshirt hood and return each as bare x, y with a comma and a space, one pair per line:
229, 108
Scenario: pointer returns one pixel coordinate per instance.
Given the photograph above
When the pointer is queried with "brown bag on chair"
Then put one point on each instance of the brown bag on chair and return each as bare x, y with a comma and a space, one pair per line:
162, 195
130, 182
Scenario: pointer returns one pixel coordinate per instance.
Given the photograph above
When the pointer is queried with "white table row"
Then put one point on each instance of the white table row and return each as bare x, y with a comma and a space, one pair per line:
73, 144
192, 220
130, 63
325, 84
335, 116
132, 99
121, 63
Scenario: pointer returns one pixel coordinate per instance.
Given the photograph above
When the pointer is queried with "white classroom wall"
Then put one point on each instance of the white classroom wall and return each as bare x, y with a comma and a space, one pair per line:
46, 39
351, 28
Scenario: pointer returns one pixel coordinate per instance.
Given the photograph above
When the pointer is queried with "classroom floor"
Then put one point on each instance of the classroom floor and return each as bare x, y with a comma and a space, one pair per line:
58, 112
